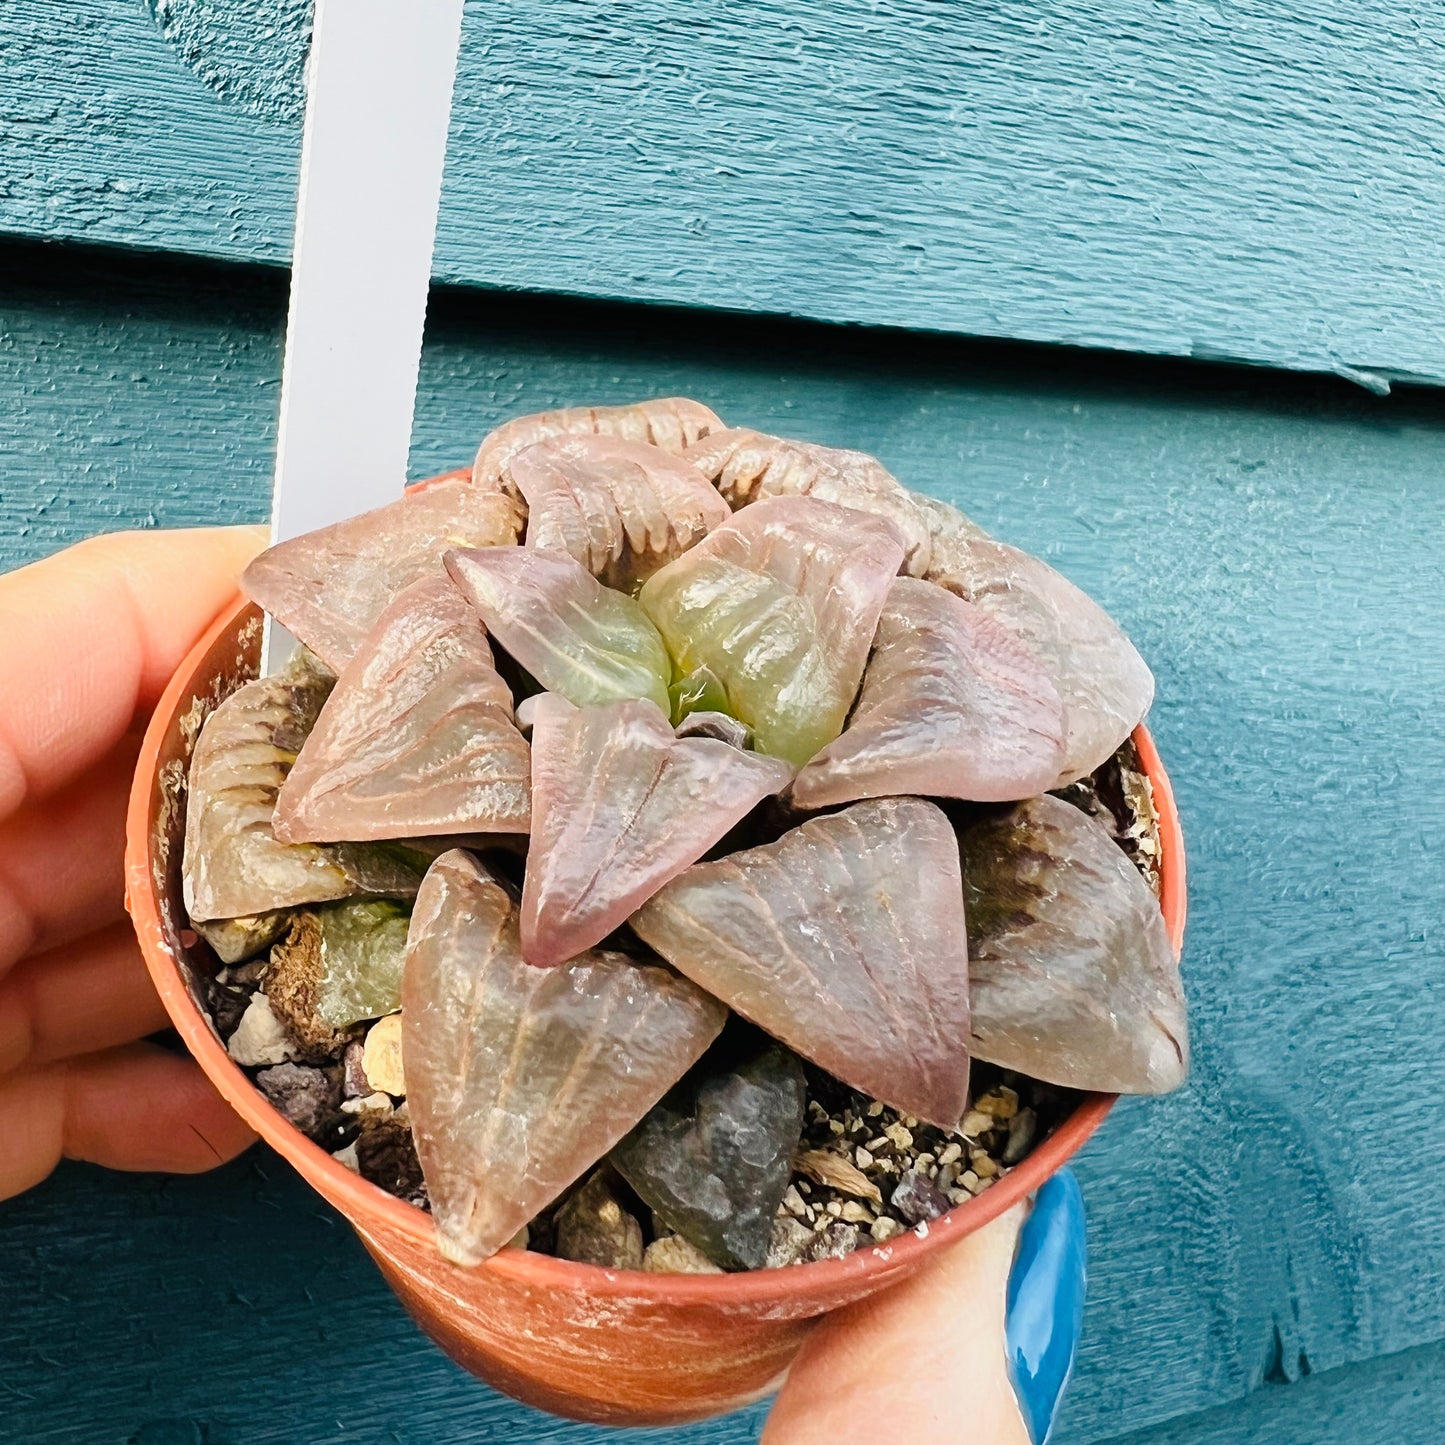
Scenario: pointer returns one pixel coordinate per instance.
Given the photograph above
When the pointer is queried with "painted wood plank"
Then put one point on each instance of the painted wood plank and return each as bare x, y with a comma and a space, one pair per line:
1189, 178
1273, 546
1395, 1400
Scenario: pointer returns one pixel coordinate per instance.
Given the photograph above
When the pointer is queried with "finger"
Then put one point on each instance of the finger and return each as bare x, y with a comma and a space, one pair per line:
89, 637
909, 1355
137, 1108
1046, 1290
61, 861
91, 995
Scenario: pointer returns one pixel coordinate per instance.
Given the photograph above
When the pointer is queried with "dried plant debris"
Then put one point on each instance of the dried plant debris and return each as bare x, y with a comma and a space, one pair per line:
1121, 797
700, 690
337, 966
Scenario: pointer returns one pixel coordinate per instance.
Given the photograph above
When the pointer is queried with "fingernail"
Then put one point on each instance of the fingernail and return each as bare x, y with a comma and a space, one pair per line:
1046, 1303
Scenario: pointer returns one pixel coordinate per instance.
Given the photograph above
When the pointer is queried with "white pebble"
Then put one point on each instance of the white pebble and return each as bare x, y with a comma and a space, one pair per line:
260, 1038
381, 1057
675, 1255
900, 1136
380, 1103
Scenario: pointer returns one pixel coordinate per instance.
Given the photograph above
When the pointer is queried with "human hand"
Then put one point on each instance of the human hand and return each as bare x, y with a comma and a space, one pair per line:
979, 1343
88, 640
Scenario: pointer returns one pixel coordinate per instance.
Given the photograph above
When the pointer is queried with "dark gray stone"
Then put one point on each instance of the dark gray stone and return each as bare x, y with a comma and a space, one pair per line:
917, 1198
714, 1157
303, 1096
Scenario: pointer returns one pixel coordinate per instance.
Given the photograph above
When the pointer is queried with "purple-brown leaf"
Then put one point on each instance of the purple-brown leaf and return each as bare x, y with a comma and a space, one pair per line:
519, 1079
1105, 685
622, 509
622, 806
846, 940
1074, 980
953, 705
417, 738
575, 636
234, 866
670, 422
330, 586
747, 466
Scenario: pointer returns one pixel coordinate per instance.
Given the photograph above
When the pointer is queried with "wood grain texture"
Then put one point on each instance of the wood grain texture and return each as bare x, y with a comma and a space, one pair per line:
1272, 544
1397, 1398
1175, 176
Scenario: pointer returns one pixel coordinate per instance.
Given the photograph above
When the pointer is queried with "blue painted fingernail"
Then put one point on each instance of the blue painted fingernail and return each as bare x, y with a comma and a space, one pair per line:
1046, 1302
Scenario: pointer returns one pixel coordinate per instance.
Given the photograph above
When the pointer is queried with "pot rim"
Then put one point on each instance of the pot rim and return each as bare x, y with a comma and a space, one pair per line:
371, 1209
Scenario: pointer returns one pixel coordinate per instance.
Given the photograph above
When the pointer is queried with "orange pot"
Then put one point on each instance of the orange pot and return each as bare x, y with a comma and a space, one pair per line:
594, 1344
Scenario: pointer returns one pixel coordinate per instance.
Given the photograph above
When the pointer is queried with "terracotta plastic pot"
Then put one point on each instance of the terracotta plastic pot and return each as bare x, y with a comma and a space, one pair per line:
593, 1344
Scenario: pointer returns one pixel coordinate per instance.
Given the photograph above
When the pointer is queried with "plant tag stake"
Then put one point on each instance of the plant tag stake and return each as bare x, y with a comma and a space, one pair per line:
379, 88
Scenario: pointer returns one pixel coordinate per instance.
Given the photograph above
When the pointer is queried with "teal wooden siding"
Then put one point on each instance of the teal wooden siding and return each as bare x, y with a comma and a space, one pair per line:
1209, 178
1399, 1399
1272, 542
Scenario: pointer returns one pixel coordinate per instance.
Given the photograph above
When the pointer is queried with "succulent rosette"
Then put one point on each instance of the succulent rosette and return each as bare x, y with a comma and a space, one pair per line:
686, 791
